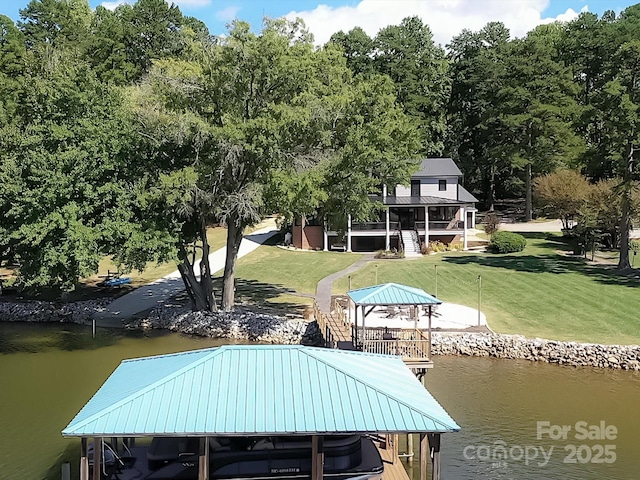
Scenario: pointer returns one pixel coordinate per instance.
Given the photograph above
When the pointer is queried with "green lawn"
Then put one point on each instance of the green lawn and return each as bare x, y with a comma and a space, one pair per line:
276, 276
537, 292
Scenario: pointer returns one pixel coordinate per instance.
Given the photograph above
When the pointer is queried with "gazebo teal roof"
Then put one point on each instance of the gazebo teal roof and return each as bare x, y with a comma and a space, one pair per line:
392, 294
260, 390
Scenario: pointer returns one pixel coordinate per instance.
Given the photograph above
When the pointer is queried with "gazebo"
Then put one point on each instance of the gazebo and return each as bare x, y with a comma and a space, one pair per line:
261, 390
413, 344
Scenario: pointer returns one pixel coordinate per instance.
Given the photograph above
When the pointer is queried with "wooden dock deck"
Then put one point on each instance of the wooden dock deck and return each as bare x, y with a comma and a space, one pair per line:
393, 466
413, 346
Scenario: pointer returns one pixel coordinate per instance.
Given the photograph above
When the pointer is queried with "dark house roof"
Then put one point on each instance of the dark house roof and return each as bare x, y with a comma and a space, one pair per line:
465, 196
437, 167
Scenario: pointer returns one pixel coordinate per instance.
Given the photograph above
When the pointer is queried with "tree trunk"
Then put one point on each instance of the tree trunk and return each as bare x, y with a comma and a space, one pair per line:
193, 287
492, 187
528, 209
625, 217
234, 238
200, 291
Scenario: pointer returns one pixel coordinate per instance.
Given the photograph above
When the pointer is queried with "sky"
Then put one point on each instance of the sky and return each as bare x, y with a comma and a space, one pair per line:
446, 18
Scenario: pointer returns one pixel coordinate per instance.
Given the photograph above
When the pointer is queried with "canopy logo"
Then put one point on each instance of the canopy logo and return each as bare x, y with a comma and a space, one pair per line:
500, 454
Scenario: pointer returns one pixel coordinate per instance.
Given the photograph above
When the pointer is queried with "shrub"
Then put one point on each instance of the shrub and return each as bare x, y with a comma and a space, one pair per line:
437, 246
491, 223
507, 242
389, 254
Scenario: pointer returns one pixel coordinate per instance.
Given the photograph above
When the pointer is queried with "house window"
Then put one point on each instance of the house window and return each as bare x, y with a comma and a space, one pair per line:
415, 188
442, 185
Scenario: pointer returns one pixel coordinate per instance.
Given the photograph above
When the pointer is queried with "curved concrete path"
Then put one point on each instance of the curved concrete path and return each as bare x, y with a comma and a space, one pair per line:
323, 290
160, 291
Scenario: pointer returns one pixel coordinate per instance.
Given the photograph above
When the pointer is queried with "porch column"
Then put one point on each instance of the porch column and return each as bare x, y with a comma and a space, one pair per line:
387, 241
84, 460
349, 233
463, 212
325, 237
426, 226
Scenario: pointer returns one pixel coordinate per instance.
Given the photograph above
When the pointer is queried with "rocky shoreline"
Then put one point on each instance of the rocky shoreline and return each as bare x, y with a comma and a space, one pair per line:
575, 354
38, 311
241, 324
246, 324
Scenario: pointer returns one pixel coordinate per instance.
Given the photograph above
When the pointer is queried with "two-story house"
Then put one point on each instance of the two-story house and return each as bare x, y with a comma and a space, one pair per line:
435, 206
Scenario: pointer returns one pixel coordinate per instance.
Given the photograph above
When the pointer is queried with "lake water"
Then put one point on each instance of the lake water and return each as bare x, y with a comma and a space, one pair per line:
47, 372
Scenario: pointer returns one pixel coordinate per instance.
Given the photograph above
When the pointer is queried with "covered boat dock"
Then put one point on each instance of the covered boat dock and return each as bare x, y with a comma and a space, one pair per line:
261, 390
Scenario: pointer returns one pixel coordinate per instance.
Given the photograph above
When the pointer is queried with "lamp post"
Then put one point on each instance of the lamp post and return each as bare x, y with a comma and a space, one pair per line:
479, 281
376, 265
349, 302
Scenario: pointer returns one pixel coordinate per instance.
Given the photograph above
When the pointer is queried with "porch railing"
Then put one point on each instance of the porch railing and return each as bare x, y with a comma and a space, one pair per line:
374, 226
368, 226
446, 225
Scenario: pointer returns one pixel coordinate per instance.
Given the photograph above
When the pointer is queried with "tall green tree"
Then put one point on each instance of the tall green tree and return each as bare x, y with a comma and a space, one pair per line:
358, 49
587, 46
621, 102
56, 23
254, 109
70, 191
476, 133
419, 70
12, 66
538, 107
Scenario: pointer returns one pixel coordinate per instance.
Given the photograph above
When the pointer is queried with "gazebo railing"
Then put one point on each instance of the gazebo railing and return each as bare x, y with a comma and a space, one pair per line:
401, 348
406, 343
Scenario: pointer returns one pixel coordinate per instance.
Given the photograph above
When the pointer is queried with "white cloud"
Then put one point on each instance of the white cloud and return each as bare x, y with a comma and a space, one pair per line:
446, 18
227, 14
113, 5
191, 3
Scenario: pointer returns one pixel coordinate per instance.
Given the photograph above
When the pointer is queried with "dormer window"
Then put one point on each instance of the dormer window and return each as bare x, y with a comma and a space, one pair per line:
415, 188
442, 185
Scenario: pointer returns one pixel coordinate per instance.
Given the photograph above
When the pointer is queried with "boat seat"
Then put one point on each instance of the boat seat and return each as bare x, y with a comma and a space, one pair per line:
219, 444
264, 444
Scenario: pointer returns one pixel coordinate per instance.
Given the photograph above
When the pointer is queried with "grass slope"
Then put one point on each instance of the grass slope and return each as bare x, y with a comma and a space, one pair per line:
278, 276
538, 292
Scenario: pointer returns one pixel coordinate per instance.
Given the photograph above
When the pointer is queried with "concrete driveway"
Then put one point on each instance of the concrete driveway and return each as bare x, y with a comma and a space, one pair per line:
546, 226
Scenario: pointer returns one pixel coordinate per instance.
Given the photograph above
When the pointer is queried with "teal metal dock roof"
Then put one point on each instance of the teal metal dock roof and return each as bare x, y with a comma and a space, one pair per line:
260, 390
392, 294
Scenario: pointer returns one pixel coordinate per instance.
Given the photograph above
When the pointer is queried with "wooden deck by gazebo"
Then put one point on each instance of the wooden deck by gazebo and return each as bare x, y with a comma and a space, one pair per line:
413, 345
